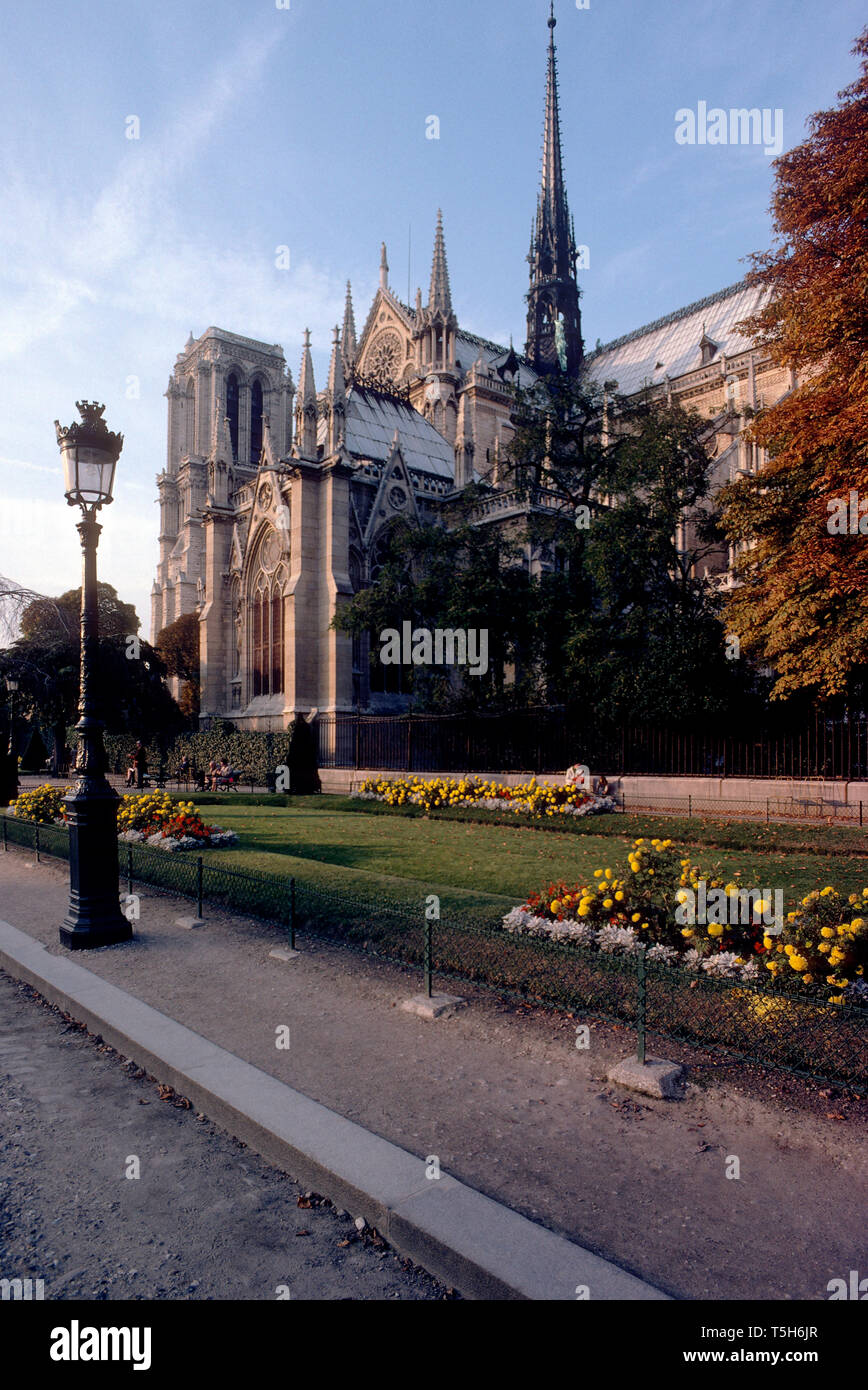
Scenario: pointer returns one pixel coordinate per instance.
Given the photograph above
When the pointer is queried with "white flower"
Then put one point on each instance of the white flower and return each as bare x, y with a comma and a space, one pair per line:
616, 939
664, 954
724, 963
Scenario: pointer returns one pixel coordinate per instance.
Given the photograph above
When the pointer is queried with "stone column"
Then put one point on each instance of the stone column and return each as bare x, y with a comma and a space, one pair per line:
336, 651
302, 605
214, 660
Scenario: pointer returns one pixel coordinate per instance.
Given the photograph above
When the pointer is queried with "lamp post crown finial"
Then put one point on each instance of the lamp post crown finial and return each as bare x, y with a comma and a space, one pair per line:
93, 431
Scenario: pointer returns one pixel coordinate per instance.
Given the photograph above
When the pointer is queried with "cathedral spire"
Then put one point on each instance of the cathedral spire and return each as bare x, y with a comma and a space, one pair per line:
554, 336
336, 395
464, 443
439, 296
267, 456
306, 407
384, 268
348, 335
221, 440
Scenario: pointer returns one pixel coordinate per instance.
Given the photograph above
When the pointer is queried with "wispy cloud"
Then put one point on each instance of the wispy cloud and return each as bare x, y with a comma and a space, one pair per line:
130, 252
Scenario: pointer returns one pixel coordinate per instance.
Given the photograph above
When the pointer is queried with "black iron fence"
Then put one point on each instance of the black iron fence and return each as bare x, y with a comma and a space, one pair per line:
548, 741
747, 1020
179, 874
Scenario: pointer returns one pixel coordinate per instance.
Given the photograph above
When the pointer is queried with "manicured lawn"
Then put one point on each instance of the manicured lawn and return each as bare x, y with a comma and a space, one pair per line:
338, 844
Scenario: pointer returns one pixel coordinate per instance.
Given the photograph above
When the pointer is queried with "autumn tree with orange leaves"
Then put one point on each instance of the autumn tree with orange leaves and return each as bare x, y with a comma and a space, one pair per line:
801, 606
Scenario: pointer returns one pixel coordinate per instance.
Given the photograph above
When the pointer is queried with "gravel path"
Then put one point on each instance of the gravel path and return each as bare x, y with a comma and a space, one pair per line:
207, 1219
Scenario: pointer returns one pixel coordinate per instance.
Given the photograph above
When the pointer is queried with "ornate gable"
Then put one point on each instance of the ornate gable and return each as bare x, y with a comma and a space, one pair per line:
386, 347
394, 497
270, 514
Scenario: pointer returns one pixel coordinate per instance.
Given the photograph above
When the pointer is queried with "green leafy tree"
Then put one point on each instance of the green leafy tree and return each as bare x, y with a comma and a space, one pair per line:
178, 646
48, 620
628, 625
45, 659
621, 622
459, 577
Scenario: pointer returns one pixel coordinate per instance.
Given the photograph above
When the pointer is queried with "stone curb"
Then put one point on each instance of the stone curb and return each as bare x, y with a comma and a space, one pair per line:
475, 1244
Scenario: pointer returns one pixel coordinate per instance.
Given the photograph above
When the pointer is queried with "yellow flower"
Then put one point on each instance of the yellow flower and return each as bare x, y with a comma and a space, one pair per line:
715, 929
798, 963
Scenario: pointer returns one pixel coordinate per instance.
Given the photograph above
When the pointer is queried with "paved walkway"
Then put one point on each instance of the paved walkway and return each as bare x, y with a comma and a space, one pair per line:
507, 1103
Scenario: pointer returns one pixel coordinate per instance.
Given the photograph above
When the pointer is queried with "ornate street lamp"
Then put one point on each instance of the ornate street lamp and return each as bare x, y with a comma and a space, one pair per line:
90, 452
11, 686
8, 758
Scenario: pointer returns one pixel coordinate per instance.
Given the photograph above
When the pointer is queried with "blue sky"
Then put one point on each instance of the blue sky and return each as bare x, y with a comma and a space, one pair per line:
305, 127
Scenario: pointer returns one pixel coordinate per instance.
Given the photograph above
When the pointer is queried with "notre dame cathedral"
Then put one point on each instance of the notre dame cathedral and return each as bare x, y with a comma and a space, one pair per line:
277, 498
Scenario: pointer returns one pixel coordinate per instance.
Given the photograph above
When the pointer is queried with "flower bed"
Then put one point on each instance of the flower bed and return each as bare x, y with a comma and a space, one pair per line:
152, 818
820, 947
530, 799
44, 804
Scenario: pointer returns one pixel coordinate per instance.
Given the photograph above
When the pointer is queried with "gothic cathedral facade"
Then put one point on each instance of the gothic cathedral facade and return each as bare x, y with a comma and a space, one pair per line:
277, 499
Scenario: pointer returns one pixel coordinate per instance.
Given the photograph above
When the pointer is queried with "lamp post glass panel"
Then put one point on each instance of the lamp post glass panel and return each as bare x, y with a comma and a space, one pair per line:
90, 452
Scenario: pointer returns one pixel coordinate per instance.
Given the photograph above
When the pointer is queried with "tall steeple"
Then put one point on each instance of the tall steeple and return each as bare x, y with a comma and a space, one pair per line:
436, 325
306, 404
464, 444
348, 335
554, 327
336, 396
439, 295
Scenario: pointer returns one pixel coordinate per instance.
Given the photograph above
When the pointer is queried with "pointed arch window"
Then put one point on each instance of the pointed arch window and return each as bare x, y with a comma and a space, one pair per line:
267, 646
255, 423
232, 411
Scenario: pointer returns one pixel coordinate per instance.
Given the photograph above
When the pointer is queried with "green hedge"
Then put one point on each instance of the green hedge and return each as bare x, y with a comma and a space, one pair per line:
254, 754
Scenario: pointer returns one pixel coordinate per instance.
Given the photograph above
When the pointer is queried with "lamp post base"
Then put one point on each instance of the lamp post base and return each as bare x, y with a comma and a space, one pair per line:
90, 936
94, 917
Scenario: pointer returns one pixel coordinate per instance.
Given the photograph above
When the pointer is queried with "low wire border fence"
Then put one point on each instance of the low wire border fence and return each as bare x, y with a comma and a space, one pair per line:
744, 1020
770, 808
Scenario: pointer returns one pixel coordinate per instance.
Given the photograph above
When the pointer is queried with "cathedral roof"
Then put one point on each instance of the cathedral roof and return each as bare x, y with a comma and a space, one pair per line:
371, 421
468, 348
671, 346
